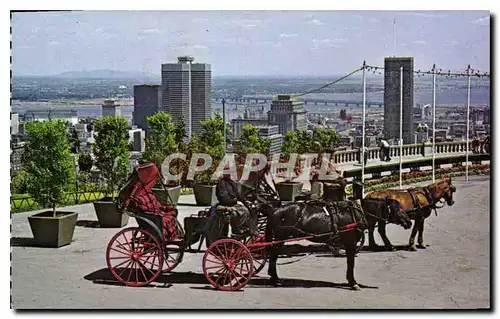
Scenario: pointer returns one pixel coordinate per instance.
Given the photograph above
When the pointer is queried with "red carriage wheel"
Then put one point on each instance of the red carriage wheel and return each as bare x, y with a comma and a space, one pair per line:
174, 251
134, 257
227, 265
259, 254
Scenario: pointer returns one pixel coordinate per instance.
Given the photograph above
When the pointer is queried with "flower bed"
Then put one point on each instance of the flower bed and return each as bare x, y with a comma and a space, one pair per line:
421, 176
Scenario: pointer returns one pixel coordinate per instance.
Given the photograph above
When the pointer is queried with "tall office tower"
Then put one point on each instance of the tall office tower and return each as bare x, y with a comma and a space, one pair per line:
288, 112
14, 123
186, 90
147, 100
392, 83
110, 108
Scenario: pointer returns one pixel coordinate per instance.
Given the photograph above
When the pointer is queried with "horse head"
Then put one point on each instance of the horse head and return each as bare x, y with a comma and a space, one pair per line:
443, 189
397, 215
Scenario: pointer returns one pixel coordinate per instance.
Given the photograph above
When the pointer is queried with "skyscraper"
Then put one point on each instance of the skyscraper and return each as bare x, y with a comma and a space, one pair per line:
288, 112
392, 87
147, 100
110, 108
186, 91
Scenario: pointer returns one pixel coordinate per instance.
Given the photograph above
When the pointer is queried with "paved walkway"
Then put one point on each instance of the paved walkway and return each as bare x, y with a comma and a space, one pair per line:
453, 272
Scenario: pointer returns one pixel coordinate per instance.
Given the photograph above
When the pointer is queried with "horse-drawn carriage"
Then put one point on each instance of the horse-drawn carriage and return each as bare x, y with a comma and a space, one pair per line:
136, 256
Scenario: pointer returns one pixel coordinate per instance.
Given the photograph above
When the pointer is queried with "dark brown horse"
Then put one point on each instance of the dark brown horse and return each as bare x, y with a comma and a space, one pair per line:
382, 211
419, 202
319, 223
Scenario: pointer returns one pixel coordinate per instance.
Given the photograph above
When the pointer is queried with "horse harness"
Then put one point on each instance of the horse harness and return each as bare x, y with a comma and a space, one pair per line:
325, 205
428, 195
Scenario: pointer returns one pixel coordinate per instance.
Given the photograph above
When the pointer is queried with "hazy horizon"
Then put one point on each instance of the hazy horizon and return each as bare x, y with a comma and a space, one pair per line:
246, 43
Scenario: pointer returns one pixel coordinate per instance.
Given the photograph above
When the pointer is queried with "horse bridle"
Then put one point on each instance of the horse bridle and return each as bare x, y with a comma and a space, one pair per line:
433, 203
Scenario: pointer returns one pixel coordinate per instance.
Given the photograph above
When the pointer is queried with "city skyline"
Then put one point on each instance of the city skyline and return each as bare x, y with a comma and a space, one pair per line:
246, 43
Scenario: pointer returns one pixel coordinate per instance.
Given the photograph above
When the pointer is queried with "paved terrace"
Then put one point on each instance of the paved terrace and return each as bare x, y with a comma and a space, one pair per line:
453, 272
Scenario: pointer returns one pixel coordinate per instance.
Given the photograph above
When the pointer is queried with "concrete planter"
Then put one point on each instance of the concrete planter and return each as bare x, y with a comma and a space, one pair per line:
204, 194
173, 193
287, 191
333, 192
108, 214
50, 231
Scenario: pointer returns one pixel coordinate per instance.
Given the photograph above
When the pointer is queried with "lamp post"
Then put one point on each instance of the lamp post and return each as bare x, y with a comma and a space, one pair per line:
401, 129
433, 123
468, 116
224, 123
363, 134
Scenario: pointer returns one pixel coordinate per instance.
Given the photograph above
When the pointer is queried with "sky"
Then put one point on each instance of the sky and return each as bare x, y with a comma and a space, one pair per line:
239, 43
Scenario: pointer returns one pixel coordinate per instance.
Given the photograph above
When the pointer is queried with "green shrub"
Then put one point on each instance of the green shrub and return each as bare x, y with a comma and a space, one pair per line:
48, 162
111, 149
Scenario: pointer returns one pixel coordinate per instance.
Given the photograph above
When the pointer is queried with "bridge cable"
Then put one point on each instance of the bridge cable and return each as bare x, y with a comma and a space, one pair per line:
331, 83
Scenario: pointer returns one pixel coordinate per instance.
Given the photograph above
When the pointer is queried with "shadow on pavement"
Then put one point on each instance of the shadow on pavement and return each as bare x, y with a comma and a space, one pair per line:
88, 223
368, 249
104, 277
24, 242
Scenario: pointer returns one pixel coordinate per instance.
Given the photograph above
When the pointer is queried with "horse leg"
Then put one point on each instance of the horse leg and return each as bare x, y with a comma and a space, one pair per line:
413, 234
371, 239
350, 248
421, 244
381, 231
272, 270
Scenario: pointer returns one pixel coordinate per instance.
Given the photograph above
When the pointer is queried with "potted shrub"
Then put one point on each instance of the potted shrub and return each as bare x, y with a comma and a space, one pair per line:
111, 150
209, 141
49, 168
204, 189
164, 139
250, 142
289, 189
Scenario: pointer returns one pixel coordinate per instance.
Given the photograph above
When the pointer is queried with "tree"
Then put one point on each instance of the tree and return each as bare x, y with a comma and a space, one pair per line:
209, 141
85, 163
251, 142
325, 139
111, 149
162, 140
74, 141
290, 143
48, 162
18, 183
180, 132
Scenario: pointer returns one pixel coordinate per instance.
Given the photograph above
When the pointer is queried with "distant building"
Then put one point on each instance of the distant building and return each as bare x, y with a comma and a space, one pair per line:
111, 108
487, 115
14, 123
137, 138
392, 91
16, 153
478, 115
267, 132
288, 112
271, 132
66, 115
239, 123
147, 101
458, 130
186, 91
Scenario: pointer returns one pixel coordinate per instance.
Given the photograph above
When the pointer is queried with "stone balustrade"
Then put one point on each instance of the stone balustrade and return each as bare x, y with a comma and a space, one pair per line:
348, 156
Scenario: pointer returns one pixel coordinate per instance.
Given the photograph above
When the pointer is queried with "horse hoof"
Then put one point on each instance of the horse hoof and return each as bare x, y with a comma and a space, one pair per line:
373, 247
355, 287
412, 248
390, 248
276, 282
421, 246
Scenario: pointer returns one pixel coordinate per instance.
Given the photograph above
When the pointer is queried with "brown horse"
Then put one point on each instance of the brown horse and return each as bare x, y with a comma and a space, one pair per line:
419, 202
